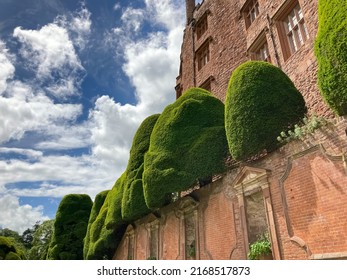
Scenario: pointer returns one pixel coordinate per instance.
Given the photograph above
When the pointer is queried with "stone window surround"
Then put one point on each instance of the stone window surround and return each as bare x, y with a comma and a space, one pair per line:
251, 180
188, 206
250, 11
150, 227
201, 25
280, 18
259, 43
202, 54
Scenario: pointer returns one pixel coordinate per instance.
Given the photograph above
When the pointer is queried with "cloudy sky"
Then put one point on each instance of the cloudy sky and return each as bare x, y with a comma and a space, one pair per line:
76, 80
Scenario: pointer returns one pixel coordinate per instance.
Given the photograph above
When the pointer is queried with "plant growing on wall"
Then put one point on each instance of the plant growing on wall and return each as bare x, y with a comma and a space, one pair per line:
331, 52
261, 102
260, 249
187, 143
70, 228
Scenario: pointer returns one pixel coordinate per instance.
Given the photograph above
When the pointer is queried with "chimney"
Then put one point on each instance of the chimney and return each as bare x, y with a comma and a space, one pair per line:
190, 6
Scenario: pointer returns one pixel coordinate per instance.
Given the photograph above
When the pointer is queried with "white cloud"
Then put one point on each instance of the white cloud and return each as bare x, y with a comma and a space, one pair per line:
6, 66
18, 217
133, 19
51, 54
78, 25
27, 110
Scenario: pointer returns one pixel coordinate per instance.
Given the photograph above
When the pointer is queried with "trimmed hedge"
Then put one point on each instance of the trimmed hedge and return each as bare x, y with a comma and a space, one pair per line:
261, 102
70, 228
133, 202
9, 250
187, 143
88, 244
331, 52
106, 226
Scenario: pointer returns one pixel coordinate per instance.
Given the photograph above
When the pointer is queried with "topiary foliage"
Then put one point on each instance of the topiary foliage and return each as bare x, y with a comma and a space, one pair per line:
133, 202
98, 203
331, 52
70, 228
187, 143
261, 102
9, 250
106, 226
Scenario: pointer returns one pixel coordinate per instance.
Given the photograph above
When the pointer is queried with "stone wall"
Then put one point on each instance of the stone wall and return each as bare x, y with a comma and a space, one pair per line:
303, 186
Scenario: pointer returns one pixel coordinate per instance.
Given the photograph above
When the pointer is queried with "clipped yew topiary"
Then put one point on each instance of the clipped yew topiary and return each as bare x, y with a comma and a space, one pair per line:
9, 250
331, 52
70, 228
133, 202
98, 203
261, 102
106, 226
187, 143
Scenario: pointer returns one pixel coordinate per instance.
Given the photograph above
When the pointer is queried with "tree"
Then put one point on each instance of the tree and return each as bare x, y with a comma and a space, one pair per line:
188, 143
41, 240
331, 52
261, 102
70, 228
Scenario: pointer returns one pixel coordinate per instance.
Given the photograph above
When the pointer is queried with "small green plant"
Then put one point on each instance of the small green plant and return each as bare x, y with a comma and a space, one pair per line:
307, 126
151, 258
259, 248
190, 250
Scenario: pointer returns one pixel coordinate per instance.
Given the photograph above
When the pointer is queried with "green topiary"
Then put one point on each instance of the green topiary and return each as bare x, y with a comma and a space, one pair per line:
70, 228
331, 52
98, 203
187, 143
261, 102
133, 202
9, 250
106, 226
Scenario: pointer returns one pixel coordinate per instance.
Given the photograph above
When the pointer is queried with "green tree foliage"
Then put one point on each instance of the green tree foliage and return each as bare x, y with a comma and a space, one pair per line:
41, 240
106, 226
331, 52
187, 143
261, 102
70, 228
133, 202
9, 250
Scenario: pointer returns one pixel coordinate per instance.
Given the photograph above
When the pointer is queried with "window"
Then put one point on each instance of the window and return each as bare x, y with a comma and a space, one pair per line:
207, 83
201, 27
292, 30
203, 55
179, 91
262, 53
296, 29
250, 11
190, 236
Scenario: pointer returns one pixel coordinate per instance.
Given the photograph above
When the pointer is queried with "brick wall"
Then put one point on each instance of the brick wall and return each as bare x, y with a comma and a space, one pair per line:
231, 44
304, 187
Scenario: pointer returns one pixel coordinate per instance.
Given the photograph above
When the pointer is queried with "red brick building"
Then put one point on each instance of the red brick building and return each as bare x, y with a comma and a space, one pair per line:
297, 194
222, 34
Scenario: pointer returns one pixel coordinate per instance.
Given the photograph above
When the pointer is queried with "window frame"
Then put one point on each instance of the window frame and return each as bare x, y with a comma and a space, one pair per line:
293, 38
203, 55
250, 10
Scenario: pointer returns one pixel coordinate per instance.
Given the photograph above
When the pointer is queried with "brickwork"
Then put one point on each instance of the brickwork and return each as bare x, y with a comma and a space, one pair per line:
304, 192
232, 43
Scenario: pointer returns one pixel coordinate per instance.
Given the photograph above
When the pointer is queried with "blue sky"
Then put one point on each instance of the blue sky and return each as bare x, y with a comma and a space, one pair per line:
76, 80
